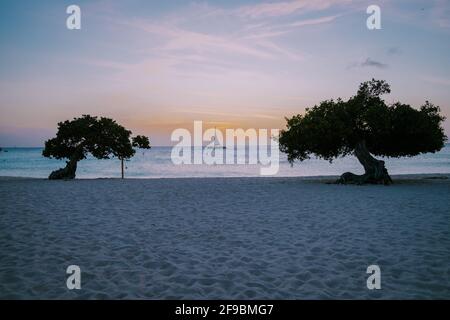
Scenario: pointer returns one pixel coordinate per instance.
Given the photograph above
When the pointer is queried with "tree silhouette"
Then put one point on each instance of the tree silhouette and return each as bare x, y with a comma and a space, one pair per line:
101, 137
364, 126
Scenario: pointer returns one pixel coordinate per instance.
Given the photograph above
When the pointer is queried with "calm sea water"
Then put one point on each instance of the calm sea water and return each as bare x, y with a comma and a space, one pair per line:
157, 163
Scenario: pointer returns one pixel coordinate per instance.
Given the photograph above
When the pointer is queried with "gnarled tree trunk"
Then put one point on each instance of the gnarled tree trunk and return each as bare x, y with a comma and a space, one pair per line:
68, 172
375, 171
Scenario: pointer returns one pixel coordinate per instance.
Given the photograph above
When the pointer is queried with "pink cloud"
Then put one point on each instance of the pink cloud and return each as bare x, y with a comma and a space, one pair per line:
275, 9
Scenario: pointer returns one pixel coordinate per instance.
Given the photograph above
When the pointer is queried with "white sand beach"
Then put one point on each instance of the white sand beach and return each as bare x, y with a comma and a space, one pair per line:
224, 238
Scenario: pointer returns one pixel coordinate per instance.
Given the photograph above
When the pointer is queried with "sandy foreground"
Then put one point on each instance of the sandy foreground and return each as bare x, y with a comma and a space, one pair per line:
224, 238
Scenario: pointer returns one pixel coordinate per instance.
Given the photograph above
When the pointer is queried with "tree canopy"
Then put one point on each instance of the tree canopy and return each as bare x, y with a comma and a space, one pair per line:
363, 123
101, 137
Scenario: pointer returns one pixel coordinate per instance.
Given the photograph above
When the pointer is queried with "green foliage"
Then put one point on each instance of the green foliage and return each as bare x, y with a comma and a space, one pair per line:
333, 128
101, 137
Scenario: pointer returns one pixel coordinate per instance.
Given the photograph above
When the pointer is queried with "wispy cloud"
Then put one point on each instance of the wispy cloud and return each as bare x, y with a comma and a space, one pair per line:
393, 51
276, 9
251, 40
179, 39
368, 63
254, 43
277, 30
373, 63
256, 35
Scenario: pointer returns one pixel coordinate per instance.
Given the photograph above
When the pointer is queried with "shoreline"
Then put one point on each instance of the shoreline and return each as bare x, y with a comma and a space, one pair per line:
395, 177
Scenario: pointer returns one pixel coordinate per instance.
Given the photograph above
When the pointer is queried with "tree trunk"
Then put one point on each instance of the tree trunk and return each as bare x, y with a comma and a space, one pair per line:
375, 171
122, 167
66, 173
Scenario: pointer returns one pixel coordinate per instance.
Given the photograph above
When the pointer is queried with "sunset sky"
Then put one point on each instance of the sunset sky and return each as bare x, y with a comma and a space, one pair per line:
159, 65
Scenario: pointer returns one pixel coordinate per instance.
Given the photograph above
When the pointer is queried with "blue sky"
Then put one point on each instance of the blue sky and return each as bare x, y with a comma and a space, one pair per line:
158, 65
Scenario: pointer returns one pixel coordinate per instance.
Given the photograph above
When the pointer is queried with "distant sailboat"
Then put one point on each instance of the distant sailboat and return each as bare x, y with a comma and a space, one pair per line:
216, 144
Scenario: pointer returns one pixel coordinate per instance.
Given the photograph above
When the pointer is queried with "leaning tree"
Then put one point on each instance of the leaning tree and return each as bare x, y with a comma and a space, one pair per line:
100, 137
364, 126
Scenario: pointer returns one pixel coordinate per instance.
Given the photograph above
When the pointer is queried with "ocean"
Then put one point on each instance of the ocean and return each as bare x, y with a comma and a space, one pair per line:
157, 163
